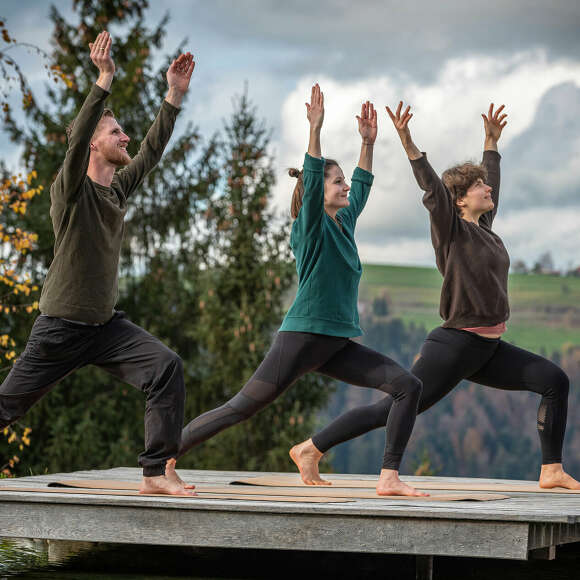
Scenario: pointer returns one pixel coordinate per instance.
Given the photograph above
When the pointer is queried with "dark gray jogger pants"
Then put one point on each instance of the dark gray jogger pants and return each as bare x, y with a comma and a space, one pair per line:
57, 347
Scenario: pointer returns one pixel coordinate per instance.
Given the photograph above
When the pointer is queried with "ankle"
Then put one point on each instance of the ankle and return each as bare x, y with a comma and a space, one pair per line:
552, 469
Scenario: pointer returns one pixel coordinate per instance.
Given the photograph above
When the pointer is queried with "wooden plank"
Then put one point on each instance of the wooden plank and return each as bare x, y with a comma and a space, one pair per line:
204, 527
295, 481
203, 495
279, 491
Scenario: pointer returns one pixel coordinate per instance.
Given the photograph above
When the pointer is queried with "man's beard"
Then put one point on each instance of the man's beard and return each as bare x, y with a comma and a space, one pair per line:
117, 157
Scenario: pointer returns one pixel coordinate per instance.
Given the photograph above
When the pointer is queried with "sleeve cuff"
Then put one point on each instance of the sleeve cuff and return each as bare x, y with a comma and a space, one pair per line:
491, 153
363, 175
99, 91
172, 108
313, 163
421, 162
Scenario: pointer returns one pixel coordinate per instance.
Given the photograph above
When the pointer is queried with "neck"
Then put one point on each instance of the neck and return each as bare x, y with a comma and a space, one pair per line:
471, 217
101, 171
331, 211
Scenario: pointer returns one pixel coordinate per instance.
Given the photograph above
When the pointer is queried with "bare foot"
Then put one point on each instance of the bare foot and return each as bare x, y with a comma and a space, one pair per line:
306, 457
172, 476
553, 475
161, 484
390, 484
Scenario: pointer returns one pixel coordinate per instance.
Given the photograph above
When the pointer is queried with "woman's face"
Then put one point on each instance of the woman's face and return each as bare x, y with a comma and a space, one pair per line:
477, 200
335, 189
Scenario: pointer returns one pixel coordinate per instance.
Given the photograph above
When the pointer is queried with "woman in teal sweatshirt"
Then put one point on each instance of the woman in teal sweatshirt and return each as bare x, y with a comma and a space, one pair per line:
316, 333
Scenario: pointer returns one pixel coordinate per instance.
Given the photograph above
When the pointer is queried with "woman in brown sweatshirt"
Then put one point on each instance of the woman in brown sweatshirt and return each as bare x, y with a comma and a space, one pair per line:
474, 306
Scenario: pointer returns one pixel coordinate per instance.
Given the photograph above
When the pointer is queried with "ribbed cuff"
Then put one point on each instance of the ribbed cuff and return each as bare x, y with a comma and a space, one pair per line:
313, 163
154, 470
392, 461
363, 175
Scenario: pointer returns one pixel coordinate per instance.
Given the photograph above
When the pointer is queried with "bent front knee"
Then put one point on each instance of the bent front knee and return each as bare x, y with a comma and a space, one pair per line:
408, 386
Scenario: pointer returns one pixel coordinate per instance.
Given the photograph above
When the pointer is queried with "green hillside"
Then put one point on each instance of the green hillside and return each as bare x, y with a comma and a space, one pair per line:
545, 310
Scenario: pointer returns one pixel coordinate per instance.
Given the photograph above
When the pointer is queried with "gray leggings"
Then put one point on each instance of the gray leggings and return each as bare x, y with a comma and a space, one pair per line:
294, 354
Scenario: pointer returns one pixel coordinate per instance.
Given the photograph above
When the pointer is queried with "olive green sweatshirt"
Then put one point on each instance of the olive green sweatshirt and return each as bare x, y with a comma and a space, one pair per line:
88, 218
471, 258
327, 261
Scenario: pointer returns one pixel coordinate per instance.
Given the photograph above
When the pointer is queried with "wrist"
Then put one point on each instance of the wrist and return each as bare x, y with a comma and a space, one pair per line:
368, 143
105, 80
174, 96
490, 143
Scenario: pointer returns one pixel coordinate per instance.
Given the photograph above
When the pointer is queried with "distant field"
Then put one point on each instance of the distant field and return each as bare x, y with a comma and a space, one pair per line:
545, 310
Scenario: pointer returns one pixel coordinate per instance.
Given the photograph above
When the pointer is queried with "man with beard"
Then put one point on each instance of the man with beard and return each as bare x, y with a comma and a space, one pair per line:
78, 325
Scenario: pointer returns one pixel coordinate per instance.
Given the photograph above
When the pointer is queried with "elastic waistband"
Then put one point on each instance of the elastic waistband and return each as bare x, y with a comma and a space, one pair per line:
464, 335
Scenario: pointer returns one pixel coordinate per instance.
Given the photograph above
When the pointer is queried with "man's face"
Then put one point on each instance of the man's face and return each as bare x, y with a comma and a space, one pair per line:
110, 142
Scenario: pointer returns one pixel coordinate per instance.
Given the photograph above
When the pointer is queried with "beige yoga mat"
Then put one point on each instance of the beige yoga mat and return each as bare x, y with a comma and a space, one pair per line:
295, 481
202, 495
308, 491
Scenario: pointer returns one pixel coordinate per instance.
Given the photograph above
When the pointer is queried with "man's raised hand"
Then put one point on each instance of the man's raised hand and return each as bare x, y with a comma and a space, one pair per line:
178, 77
101, 57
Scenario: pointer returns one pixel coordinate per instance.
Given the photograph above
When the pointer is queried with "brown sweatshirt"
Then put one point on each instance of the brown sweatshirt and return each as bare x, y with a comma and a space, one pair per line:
472, 259
88, 218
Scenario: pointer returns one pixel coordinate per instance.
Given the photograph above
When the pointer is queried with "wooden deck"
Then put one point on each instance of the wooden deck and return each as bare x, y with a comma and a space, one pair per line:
525, 525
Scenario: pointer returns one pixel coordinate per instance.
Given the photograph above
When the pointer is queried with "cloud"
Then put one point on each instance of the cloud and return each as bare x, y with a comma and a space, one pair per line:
539, 94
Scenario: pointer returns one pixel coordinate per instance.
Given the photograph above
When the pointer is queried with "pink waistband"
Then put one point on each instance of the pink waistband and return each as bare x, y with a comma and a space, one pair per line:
497, 329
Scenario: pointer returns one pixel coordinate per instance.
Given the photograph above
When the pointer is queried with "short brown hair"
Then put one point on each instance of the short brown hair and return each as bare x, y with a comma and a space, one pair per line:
106, 113
299, 187
460, 178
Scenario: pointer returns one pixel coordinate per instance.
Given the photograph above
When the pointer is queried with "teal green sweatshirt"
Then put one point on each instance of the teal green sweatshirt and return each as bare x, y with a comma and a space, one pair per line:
327, 261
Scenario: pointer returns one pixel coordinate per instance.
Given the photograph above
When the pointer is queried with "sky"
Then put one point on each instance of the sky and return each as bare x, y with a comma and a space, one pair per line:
447, 59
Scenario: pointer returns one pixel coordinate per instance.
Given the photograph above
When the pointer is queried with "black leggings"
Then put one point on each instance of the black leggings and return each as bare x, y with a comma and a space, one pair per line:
450, 355
294, 354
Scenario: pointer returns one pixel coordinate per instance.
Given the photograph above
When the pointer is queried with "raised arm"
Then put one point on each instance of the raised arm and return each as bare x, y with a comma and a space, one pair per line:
362, 178
493, 124
436, 199
152, 147
367, 127
315, 116
401, 123
76, 161
311, 213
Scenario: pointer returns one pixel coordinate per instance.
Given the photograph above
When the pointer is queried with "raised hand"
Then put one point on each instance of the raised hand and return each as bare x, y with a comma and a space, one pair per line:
401, 122
180, 71
494, 123
367, 123
101, 57
315, 110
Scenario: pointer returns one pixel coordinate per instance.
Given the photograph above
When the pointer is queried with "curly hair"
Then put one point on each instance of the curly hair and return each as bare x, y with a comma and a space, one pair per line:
460, 178
299, 187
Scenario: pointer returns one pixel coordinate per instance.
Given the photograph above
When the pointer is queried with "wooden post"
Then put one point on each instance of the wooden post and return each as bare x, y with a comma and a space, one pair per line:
424, 567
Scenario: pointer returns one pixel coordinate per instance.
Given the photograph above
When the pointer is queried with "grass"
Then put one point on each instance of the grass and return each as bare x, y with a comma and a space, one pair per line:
545, 310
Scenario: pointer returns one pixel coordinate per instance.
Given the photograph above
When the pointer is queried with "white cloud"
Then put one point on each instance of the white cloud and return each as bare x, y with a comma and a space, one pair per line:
447, 124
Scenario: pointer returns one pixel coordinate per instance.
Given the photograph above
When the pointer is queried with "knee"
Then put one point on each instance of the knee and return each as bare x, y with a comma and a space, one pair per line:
409, 386
558, 382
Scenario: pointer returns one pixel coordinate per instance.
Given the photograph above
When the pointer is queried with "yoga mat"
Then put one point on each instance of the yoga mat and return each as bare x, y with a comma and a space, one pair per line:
295, 481
124, 492
308, 491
